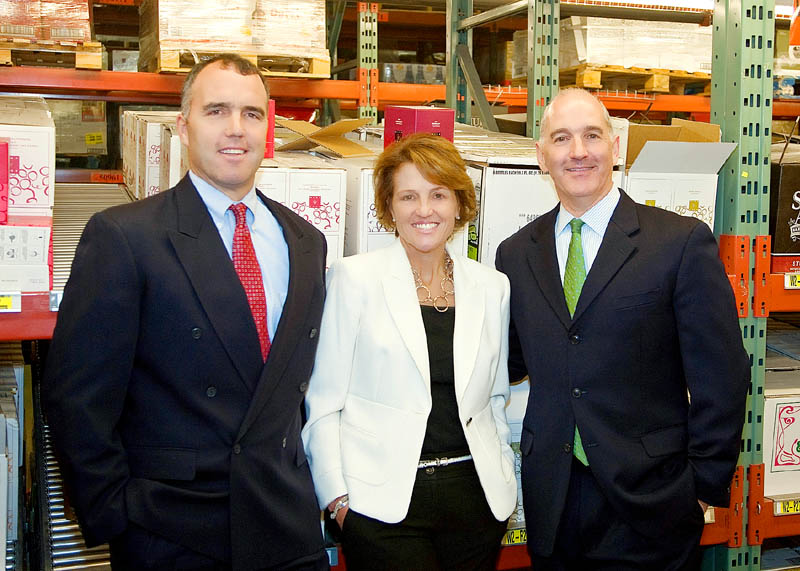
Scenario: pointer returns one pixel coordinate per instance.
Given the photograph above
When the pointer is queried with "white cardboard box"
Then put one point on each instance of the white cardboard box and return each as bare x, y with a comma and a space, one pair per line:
174, 157
363, 233
141, 150
313, 188
28, 124
781, 438
689, 187
24, 255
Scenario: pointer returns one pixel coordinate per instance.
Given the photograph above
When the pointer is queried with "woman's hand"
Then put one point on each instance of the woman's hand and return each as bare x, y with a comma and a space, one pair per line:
342, 502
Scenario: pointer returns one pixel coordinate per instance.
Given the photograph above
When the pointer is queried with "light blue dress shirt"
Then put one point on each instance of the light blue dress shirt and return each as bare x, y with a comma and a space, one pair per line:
268, 241
595, 220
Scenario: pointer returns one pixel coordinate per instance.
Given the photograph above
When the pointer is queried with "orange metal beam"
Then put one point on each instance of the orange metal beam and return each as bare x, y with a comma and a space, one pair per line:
36, 321
762, 521
769, 293
735, 254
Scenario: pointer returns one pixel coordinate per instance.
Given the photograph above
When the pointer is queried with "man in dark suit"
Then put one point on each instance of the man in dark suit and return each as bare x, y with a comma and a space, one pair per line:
174, 384
617, 310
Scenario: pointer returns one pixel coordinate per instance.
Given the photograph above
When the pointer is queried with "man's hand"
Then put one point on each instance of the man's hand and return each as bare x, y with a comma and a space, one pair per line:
703, 505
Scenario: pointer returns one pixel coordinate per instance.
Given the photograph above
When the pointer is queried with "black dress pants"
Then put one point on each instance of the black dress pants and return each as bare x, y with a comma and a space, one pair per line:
592, 537
448, 526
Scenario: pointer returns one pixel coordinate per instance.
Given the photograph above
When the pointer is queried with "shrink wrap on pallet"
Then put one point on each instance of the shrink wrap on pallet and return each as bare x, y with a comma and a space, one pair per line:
282, 28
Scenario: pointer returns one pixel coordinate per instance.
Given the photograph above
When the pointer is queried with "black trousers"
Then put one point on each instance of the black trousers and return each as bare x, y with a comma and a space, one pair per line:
449, 526
138, 549
591, 536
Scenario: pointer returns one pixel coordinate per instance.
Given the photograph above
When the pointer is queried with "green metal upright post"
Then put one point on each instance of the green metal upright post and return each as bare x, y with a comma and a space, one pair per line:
456, 83
335, 14
741, 103
368, 60
543, 25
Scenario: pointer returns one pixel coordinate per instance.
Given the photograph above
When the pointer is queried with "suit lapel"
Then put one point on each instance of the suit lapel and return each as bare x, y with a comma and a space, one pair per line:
290, 329
201, 252
401, 299
470, 308
615, 249
543, 263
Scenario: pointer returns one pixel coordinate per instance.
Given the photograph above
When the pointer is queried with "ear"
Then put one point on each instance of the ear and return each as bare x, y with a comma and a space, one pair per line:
183, 132
615, 148
540, 158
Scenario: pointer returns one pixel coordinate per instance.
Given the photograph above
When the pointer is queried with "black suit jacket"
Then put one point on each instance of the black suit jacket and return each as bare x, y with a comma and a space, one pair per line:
656, 317
161, 408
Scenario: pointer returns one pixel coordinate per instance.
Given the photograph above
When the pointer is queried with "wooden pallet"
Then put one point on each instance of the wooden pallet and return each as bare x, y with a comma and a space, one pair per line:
613, 77
181, 61
51, 53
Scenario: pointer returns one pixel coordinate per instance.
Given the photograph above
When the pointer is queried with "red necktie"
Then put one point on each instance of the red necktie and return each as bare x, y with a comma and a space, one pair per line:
246, 265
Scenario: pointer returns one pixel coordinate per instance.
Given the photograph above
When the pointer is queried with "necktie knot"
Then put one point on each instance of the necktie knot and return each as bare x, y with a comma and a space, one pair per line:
576, 224
239, 212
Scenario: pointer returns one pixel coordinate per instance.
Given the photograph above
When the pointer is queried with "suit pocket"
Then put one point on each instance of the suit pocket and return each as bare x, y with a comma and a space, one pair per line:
640, 299
162, 463
666, 441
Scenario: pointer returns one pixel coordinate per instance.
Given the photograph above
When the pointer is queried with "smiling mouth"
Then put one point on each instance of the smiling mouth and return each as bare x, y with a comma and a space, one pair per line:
233, 151
579, 169
425, 225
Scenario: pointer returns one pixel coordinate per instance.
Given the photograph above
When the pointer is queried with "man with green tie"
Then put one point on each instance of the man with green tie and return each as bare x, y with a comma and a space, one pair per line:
619, 311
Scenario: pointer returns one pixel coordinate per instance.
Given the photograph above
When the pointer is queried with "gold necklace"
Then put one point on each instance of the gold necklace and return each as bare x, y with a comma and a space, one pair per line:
447, 279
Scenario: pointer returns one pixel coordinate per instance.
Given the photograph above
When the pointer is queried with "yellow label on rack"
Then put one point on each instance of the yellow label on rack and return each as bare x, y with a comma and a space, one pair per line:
6, 302
515, 537
745, 174
94, 139
694, 205
789, 507
791, 281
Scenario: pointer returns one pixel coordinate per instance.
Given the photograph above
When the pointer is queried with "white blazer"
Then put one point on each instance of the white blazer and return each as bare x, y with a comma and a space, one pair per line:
369, 395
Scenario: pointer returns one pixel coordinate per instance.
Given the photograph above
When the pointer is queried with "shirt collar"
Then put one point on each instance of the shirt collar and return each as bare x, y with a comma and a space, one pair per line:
217, 201
596, 218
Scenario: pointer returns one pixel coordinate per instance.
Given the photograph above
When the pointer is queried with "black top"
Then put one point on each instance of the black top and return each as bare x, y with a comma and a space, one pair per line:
443, 435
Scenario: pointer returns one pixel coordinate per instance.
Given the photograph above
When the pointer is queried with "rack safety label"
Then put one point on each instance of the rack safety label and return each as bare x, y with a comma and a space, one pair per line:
516, 537
791, 281
10, 302
788, 507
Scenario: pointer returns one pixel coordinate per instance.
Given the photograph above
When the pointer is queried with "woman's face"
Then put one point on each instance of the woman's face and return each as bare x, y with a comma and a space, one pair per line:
424, 212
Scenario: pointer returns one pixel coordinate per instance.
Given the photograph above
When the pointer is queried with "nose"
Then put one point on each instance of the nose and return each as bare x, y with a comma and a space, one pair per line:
425, 207
234, 127
577, 149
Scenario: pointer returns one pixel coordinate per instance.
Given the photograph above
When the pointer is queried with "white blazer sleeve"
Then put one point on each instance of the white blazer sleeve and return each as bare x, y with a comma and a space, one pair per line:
329, 384
500, 389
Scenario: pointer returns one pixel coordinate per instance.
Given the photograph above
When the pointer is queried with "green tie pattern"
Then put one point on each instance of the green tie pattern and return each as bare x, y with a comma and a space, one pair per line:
574, 276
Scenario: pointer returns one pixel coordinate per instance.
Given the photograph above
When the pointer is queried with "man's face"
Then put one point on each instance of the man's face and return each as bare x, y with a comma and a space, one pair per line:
578, 150
226, 129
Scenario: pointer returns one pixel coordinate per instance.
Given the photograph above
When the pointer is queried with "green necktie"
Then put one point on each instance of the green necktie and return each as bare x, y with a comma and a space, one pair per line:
574, 276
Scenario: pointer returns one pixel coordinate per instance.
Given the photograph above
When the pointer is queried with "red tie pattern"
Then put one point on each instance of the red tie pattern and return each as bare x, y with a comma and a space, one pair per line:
246, 265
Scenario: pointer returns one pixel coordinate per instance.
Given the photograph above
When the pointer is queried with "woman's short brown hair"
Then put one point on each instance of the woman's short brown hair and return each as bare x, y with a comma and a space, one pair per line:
437, 160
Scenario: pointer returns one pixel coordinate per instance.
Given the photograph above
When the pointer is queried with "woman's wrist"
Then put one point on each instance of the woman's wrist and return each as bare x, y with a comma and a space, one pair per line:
338, 504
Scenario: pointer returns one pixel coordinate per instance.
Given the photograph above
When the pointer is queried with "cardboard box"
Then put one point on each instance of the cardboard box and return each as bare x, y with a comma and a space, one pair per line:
515, 413
313, 188
25, 261
125, 60
781, 436
679, 176
679, 130
174, 161
141, 150
20, 19
363, 233
27, 124
784, 202
81, 127
330, 139
65, 20
4, 181
400, 121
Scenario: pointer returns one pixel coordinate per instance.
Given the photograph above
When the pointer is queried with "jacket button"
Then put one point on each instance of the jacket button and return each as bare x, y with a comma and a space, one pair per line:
469, 421
197, 333
312, 333
575, 339
567, 447
284, 442
303, 387
237, 449
211, 392
576, 393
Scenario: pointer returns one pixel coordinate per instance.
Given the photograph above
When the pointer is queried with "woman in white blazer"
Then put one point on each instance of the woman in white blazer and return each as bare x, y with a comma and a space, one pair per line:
407, 436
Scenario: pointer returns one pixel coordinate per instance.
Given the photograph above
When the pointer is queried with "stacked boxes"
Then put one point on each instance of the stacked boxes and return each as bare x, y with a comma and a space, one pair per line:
80, 127
257, 27
56, 20
25, 238
315, 189
141, 150
174, 157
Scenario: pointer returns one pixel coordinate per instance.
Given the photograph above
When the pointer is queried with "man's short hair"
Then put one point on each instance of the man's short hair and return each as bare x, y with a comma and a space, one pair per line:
242, 65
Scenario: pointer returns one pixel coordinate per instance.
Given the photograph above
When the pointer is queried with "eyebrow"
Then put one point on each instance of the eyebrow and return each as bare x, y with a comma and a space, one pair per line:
587, 129
227, 105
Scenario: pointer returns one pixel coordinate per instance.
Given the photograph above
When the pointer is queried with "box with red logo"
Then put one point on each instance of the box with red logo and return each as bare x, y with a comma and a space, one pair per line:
26, 123
3, 181
400, 121
314, 188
